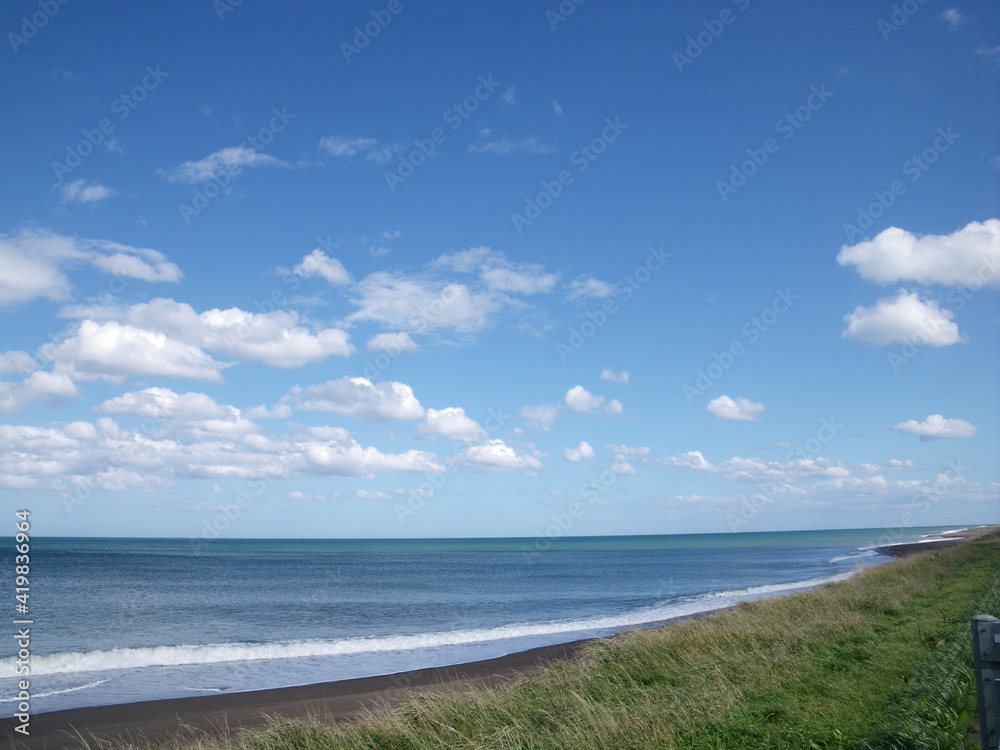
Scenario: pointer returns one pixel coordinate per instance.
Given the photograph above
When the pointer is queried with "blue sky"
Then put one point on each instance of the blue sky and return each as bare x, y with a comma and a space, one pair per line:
520, 269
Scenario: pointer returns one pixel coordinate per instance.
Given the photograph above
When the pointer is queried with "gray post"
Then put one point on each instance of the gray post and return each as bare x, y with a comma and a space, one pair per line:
986, 659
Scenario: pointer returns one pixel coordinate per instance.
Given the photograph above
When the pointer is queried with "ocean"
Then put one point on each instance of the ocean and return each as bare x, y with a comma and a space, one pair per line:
122, 620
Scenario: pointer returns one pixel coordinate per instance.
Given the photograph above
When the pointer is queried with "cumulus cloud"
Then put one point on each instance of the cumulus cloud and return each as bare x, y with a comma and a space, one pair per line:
38, 386
80, 191
579, 452
392, 343
905, 318
495, 455
541, 417
588, 287
740, 409
359, 398
520, 279
274, 338
230, 161
32, 262
419, 305
452, 424
970, 254
17, 361
953, 17
112, 351
615, 377
936, 427
318, 263
580, 400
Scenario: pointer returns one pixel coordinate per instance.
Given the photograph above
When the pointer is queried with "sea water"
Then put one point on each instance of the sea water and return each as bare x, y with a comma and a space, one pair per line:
122, 620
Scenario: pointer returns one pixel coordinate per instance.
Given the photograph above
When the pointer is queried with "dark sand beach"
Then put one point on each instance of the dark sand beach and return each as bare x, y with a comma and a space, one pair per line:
155, 721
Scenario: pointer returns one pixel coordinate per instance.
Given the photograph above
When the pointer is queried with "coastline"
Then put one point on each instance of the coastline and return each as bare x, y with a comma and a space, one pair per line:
162, 720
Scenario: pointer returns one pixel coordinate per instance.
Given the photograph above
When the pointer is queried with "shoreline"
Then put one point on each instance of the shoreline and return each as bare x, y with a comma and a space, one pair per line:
161, 720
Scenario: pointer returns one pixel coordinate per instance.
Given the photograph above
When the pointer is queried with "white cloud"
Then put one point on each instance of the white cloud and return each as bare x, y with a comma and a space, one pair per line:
394, 235
495, 455
520, 279
904, 319
936, 427
468, 261
588, 287
557, 109
230, 161
275, 338
452, 424
39, 385
627, 450
17, 361
393, 343
510, 95
81, 192
190, 414
371, 148
318, 263
113, 351
967, 254
579, 452
615, 377
503, 146
359, 398
740, 410
31, 263
580, 400
954, 18
541, 417
372, 495
419, 305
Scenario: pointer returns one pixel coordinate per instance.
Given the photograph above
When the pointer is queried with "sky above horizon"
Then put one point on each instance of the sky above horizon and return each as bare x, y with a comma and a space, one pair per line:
524, 269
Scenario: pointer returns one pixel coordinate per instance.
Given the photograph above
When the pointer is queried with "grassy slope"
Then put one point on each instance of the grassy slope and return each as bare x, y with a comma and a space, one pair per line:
880, 661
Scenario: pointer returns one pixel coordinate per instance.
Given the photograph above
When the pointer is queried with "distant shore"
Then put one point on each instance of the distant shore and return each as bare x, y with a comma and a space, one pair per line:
156, 721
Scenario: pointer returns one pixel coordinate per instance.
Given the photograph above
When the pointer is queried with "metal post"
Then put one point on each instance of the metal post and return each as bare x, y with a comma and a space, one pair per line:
986, 659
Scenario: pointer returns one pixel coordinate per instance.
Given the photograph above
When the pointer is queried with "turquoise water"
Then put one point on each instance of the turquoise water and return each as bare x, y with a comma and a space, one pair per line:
120, 620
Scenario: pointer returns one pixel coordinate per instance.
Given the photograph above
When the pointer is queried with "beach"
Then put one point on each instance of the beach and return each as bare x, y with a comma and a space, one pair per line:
159, 720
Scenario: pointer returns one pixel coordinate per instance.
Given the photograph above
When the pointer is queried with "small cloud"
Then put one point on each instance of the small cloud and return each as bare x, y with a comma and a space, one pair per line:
578, 399
393, 343
843, 71
318, 263
954, 17
541, 417
80, 191
580, 452
510, 95
370, 148
739, 410
936, 427
615, 377
206, 110
392, 235
587, 287
377, 252
112, 145
224, 161
904, 319
503, 146
557, 109
377, 495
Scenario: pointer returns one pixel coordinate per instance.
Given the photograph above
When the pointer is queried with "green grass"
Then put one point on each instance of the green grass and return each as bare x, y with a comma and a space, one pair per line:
880, 661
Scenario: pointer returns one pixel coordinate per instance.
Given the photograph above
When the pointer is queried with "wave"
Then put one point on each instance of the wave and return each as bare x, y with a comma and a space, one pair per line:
865, 552
187, 654
949, 531
12, 698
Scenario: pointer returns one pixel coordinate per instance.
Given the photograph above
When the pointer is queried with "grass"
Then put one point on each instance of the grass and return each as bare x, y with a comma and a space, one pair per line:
877, 662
